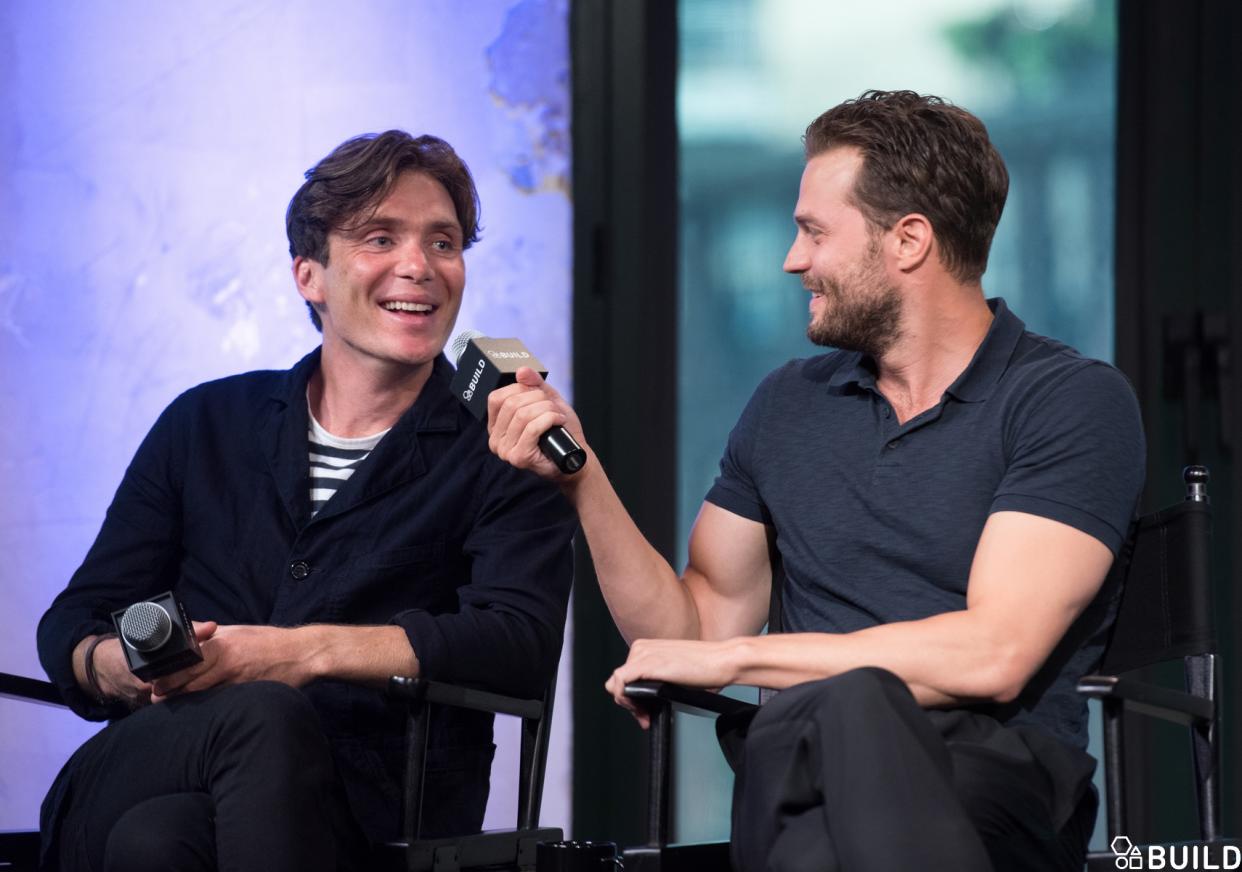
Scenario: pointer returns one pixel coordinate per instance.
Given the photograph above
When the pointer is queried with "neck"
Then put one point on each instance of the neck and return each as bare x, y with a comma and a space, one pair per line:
352, 398
941, 329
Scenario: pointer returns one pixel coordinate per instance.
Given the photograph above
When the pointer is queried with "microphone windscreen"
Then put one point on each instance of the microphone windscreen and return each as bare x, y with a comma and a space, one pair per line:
146, 626
460, 343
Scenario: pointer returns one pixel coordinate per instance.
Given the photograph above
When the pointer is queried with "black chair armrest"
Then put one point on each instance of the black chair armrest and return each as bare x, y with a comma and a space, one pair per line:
30, 690
422, 690
689, 700
1160, 702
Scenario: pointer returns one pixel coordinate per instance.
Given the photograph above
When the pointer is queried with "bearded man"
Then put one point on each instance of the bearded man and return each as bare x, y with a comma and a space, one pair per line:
946, 491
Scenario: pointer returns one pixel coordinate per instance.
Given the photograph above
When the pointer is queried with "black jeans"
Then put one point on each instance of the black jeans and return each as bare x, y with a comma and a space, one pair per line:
232, 778
851, 774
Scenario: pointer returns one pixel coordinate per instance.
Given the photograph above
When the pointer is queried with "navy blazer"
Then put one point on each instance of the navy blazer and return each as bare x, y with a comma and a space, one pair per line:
433, 533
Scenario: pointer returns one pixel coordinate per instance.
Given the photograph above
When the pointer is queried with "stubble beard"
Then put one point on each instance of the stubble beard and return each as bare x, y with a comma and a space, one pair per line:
861, 313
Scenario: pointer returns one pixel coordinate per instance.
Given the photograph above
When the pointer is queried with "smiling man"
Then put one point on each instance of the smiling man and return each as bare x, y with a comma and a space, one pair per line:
326, 527
946, 492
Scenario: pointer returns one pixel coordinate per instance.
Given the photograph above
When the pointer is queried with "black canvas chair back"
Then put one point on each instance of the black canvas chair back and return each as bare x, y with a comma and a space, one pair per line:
1166, 600
1165, 614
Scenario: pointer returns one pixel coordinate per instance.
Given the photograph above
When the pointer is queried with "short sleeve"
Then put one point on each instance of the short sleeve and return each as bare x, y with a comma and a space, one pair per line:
1077, 455
735, 488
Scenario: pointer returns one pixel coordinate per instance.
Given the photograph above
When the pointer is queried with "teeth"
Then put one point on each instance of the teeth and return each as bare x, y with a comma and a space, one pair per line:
399, 306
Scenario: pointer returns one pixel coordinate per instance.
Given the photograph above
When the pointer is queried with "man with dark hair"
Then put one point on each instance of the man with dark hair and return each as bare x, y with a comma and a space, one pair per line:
945, 491
326, 527
346, 186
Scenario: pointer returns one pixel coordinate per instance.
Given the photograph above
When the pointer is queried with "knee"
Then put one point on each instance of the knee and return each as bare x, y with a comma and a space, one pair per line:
867, 682
848, 690
266, 737
857, 699
173, 832
261, 697
270, 715
267, 704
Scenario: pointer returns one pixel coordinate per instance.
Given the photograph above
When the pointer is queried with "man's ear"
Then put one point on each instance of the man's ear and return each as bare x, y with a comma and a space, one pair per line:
308, 275
914, 239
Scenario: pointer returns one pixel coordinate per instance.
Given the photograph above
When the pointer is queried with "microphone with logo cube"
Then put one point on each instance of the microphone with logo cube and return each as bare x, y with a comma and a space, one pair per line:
156, 636
485, 364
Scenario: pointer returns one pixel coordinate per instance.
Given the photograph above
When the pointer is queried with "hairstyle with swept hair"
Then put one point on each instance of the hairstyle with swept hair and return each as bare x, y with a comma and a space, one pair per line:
921, 154
343, 189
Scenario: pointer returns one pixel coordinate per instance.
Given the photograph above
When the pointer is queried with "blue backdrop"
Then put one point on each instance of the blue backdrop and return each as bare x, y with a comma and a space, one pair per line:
147, 153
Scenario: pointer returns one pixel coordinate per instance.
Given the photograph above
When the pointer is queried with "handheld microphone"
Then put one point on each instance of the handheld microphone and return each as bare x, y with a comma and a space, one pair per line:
157, 637
484, 364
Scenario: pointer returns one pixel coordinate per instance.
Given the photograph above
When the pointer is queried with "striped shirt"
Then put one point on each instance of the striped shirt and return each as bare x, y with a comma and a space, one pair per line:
333, 460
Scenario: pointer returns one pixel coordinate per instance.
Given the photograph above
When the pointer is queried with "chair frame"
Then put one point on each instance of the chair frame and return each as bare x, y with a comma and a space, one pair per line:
488, 848
661, 699
1195, 707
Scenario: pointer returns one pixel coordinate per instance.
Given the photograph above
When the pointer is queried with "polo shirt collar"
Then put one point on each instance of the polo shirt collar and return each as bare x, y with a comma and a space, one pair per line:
856, 370
991, 359
976, 382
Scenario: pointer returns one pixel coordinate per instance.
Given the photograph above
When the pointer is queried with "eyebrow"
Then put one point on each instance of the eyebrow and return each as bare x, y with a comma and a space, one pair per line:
377, 221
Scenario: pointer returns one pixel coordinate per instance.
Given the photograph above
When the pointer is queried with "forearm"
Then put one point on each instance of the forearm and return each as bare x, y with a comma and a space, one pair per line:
947, 659
114, 684
79, 664
645, 596
108, 664
361, 655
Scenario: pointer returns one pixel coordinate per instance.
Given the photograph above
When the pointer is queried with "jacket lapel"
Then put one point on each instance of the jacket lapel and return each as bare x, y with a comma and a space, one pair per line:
281, 433
398, 459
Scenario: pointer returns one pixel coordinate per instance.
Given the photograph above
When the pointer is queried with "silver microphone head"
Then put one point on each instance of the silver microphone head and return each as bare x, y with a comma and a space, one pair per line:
462, 340
146, 626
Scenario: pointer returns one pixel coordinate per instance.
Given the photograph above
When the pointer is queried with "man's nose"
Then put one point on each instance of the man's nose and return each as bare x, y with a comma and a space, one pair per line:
797, 259
415, 264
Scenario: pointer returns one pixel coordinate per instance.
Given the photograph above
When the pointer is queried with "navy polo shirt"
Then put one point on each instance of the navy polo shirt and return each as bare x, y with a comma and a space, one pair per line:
877, 521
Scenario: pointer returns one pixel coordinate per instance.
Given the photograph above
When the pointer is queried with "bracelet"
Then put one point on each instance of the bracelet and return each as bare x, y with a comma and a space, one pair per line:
88, 664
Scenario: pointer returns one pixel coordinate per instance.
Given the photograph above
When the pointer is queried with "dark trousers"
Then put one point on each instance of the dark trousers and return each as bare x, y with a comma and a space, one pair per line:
851, 774
233, 778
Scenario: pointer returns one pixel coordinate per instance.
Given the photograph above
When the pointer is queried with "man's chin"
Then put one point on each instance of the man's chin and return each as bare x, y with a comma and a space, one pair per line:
824, 336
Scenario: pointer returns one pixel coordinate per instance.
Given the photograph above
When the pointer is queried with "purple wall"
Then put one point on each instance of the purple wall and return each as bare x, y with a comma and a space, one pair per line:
147, 153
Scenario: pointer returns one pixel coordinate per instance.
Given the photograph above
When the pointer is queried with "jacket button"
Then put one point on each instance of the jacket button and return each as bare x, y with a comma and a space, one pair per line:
299, 569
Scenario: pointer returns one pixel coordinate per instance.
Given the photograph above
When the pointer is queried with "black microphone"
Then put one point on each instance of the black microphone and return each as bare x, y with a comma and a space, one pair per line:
484, 364
157, 636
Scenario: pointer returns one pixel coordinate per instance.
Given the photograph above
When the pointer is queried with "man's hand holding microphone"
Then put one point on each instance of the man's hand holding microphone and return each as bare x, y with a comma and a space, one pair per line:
501, 381
518, 416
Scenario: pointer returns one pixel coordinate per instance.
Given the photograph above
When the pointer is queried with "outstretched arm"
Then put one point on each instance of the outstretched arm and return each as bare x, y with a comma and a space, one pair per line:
724, 590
